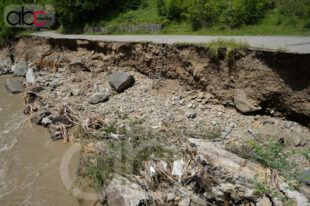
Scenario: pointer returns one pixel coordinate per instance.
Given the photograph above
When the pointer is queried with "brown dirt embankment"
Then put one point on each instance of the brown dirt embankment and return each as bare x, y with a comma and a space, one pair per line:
278, 82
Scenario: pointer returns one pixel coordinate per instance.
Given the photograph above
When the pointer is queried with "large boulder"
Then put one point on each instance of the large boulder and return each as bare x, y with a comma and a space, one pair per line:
121, 81
19, 69
243, 104
14, 86
122, 192
240, 173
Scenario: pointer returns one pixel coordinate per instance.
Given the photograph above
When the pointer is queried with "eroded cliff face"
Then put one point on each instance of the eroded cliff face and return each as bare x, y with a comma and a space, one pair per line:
196, 111
277, 82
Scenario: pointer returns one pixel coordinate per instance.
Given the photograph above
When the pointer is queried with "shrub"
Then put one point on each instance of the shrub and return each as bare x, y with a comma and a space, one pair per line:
245, 12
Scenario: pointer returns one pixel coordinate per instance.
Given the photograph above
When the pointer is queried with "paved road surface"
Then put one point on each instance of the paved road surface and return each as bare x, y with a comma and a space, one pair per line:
290, 43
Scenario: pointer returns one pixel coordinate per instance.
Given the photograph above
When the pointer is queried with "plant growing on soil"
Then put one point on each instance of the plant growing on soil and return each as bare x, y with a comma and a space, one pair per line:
273, 155
262, 188
226, 43
125, 158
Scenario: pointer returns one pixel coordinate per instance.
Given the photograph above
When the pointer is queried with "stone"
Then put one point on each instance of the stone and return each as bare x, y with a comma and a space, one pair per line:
14, 86
37, 89
46, 121
213, 122
55, 83
296, 140
227, 161
185, 202
171, 197
55, 131
228, 129
5, 66
30, 76
288, 125
61, 119
177, 167
38, 116
191, 114
305, 190
19, 69
305, 177
122, 192
196, 200
98, 98
293, 194
264, 202
75, 92
121, 81
243, 104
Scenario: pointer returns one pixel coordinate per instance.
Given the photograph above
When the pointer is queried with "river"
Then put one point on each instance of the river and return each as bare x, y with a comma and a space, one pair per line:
29, 160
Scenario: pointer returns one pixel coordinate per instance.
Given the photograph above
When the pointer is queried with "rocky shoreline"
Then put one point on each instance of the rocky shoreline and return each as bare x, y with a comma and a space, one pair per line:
189, 121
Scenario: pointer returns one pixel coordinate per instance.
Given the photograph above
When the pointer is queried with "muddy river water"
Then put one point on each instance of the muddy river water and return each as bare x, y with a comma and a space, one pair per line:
29, 161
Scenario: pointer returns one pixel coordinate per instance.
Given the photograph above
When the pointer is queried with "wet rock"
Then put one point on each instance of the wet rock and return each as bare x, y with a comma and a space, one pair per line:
122, 192
19, 69
121, 81
305, 177
243, 104
14, 86
191, 114
55, 131
98, 98
264, 202
30, 76
38, 116
46, 121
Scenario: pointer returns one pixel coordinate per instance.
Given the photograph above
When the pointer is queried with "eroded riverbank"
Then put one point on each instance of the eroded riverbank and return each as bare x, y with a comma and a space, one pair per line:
171, 120
29, 160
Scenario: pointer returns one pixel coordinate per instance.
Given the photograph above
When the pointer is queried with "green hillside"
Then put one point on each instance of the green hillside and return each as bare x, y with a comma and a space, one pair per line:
201, 17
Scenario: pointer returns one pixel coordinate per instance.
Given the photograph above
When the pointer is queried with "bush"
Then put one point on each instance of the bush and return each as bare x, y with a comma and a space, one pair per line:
209, 12
245, 12
171, 9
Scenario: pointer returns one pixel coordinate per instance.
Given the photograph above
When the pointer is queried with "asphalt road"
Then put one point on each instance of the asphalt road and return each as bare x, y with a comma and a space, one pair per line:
289, 43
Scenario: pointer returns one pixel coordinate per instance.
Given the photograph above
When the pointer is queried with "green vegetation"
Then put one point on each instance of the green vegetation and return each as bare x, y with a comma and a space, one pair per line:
226, 43
200, 17
217, 17
273, 155
129, 155
263, 188
125, 158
